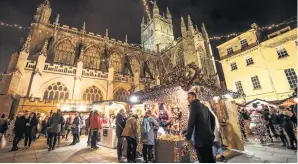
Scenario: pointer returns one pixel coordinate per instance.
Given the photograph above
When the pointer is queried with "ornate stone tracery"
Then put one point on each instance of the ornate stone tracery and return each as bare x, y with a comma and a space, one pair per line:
135, 64
121, 95
56, 91
93, 93
64, 53
91, 58
115, 62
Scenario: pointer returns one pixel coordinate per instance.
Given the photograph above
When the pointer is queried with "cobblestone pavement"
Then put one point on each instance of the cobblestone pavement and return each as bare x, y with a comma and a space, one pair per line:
273, 153
38, 153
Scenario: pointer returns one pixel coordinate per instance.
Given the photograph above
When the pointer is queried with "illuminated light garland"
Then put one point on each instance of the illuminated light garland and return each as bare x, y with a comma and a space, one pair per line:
146, 6
269, 27
14, 25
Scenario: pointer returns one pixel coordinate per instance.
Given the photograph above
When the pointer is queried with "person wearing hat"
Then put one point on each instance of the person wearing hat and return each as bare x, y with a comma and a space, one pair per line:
95, 126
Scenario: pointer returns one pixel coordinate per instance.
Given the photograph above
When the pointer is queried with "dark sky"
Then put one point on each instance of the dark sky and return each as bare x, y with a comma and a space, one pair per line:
124, 17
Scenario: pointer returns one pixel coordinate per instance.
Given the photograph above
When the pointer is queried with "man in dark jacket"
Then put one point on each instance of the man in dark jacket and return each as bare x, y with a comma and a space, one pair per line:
19, 130
120, 124
202, 123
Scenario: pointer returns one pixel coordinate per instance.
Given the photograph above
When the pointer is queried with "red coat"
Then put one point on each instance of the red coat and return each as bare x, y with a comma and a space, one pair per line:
95, 122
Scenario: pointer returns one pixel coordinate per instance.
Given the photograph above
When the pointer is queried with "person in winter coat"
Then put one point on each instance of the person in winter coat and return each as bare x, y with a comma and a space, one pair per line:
31, 124
289, 128
130, 132
10, 132
55, 122
217, 145
3, 124
202, 123
87, 126
67, 127
19, 130
258, 126
44, 125
276, 122
148, 124
120, 124
76, 127
95, 126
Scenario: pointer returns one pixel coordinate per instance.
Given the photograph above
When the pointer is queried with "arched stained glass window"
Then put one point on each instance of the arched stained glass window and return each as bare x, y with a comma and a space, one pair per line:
115, 62
93, 93
151, 67
135, 64
179, 59
91, 58
121, 95
56, 91
64, 53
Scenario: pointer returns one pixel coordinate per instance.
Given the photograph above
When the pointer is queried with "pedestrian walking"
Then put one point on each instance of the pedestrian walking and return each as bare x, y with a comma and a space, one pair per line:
10, 131
19, 130
277, 123
55, 122
289, 128
87, 127
31, 123
75, 128
95, 126
148, 125
131, 135
120, 124
67, 127
258, 126
202, 123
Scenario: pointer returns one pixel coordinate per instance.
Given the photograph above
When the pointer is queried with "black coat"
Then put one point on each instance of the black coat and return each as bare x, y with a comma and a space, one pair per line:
120, 124
20, 126
202, 122
33, 124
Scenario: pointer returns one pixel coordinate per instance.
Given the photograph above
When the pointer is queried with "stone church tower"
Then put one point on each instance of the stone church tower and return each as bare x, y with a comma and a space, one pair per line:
157, 31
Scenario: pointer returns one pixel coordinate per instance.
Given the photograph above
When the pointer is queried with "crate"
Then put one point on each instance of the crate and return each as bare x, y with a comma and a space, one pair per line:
165, 152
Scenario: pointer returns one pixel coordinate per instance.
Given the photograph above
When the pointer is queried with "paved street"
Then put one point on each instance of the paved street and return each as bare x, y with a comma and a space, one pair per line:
254, 153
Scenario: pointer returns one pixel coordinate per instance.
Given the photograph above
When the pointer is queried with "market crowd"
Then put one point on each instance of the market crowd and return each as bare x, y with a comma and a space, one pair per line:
268, 122
202, 131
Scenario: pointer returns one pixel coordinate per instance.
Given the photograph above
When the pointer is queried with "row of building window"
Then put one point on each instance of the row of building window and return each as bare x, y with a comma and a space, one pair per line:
58, 91
290, 74
281, 51
243, 43
249, 61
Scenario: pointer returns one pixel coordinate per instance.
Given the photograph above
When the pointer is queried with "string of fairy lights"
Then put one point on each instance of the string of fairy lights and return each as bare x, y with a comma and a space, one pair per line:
14, 26
146, 6
263, 28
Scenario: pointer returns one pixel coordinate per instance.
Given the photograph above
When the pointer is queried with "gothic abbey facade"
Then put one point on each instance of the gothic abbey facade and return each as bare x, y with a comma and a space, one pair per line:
58, 62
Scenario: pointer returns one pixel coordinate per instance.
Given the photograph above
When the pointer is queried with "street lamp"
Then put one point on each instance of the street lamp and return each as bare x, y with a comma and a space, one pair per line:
133, 99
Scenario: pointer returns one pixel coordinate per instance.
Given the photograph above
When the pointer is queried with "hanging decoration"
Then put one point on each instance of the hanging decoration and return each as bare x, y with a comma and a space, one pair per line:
14, 26
268, 27
146, 6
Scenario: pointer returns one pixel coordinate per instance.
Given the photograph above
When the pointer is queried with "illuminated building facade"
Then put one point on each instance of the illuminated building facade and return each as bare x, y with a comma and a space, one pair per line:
261, 67
58, 62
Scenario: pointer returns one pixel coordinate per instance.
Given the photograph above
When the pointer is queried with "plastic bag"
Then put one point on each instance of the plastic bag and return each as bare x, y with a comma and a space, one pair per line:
161, 131
2, 141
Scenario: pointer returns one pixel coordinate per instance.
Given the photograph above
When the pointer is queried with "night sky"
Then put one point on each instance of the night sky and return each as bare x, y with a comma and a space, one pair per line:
124, 17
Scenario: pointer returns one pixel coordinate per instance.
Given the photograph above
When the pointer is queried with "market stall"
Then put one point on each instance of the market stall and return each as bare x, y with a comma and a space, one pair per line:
171, 97
109, 110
